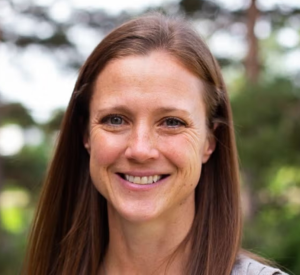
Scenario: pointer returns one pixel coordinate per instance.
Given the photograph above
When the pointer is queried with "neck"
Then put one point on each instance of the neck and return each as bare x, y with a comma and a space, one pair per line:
148, 247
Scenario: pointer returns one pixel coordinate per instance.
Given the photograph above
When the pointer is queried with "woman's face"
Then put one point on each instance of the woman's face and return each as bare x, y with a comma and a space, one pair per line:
147, 136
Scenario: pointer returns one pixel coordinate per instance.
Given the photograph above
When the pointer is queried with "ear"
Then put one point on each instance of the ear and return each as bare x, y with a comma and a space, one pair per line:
210, 144
86, 141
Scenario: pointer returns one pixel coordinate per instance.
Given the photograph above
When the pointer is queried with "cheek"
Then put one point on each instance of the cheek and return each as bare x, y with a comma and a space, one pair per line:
105, 148
185, 151
105, 151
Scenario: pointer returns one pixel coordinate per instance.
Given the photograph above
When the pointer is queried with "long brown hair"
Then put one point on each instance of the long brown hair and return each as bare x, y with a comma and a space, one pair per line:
70, 230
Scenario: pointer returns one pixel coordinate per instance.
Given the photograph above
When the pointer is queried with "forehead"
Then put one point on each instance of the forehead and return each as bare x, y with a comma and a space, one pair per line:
157, 77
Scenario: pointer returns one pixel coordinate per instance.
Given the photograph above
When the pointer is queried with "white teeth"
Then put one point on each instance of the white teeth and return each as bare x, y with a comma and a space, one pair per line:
143, 180
137, 180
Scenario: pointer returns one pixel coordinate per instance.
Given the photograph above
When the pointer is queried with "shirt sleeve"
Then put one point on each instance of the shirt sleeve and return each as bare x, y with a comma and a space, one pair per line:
247, 266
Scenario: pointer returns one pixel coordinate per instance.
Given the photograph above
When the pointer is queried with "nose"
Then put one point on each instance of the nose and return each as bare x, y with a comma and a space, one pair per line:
142, 145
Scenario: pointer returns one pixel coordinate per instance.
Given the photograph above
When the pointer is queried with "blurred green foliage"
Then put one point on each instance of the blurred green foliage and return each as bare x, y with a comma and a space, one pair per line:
267, 120
267, 125
23, 175
266, 117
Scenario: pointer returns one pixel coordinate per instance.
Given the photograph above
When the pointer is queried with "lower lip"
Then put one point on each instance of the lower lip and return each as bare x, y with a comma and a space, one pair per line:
140, 187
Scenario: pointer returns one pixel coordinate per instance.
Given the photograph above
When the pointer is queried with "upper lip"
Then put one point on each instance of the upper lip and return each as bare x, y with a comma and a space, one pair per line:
142, 173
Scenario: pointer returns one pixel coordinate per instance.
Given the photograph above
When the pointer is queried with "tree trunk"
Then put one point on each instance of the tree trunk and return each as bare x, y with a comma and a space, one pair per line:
252, 63
1, 170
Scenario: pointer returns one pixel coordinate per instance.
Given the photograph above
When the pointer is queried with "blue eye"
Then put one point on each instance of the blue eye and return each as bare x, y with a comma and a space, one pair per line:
173, 122
113, 120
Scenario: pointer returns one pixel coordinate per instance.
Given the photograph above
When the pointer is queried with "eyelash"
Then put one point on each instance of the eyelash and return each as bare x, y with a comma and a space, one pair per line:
106, 119
178, 121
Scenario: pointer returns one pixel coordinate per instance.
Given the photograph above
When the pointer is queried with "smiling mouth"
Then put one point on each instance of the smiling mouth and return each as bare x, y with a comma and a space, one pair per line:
142, 180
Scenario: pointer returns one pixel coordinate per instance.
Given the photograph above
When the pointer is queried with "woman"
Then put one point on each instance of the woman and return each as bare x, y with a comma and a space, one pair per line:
144, 179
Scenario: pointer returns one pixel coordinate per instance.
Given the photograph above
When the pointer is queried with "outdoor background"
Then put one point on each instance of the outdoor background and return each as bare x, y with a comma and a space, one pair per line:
44, 42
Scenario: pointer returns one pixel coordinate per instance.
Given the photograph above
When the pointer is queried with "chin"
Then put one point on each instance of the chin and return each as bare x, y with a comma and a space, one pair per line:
136, 214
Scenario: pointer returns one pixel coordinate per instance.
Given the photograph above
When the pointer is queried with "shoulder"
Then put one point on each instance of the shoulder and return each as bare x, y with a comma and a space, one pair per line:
248, 266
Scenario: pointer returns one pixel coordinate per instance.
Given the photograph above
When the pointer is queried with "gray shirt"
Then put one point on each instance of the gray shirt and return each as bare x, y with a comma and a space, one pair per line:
247, 266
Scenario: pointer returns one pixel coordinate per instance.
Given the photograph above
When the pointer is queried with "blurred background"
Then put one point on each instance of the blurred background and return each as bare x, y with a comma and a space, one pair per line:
257, 42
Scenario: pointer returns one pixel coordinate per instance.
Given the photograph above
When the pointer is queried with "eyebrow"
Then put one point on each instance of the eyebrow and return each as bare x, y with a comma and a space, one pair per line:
124, 109
172, 109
